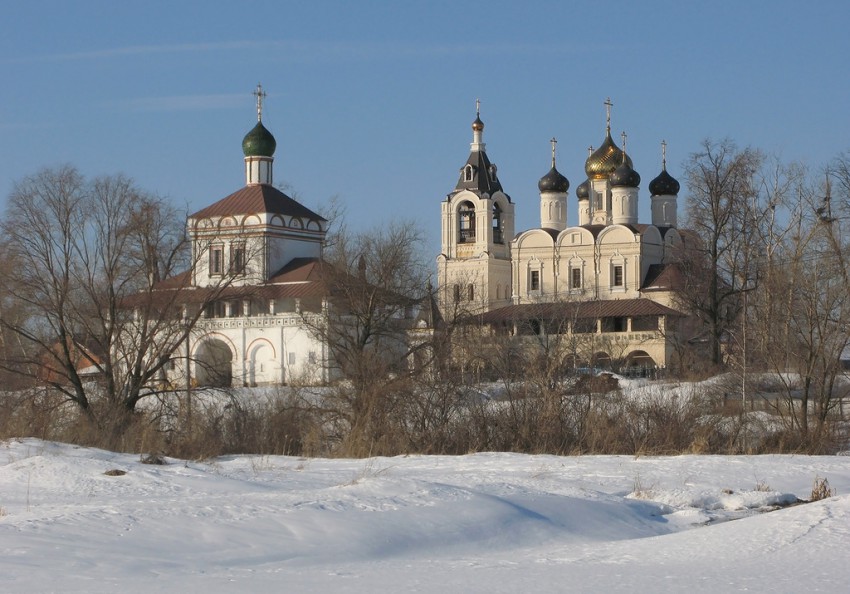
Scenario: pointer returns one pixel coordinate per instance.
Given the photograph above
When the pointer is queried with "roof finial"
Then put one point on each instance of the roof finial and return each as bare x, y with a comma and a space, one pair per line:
623, 136
590, 150
664, 155
260, 94
608, 106
478, 108
554, 141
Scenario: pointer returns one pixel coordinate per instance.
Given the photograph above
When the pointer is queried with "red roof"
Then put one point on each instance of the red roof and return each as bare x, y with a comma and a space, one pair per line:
611, 308
663, 277
256, 199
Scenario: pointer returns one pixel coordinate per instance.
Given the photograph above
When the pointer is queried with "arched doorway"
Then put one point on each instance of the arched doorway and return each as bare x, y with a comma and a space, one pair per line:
214, 364
639, 363
262, 365
601, 360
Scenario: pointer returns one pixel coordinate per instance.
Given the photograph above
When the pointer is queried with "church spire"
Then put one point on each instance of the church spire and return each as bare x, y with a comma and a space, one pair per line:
477, 128
259, 146
479, 174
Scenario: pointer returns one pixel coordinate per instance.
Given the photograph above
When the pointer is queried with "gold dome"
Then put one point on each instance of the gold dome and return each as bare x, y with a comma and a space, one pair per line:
477, 125
605, 159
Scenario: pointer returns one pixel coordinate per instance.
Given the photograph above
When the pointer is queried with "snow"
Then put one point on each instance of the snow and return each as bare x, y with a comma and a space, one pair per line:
492, 522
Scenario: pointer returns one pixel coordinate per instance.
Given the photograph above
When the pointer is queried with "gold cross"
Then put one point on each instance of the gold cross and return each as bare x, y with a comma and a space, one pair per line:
608, 105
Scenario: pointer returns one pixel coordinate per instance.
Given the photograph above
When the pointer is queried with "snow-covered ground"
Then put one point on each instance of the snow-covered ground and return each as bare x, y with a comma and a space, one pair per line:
478, 523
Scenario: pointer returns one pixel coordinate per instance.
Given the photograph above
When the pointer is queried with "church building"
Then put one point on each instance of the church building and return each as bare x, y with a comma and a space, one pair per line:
256, 265
607, 278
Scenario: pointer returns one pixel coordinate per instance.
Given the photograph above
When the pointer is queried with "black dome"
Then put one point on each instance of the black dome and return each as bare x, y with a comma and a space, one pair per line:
625, 176
664, 185
553, 182
583, 190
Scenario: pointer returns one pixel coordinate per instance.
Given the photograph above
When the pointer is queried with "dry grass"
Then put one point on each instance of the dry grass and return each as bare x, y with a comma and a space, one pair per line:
821, 490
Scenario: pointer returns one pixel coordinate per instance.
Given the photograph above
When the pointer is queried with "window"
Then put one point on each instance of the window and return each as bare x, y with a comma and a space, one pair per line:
292, 358
497, 225
216, 259
457, 293
575, 278
617, 276
467, 222
471, 293
468, 173
584, 326
645, 323
311, 357
215, 309
237, 259
534, 284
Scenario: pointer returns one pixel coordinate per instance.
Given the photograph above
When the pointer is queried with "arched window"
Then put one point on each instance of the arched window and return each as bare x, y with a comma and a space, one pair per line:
466, 215
468, 172
498, 236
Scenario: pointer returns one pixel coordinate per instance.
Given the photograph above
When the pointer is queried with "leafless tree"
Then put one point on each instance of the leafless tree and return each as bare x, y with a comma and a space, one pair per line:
375, 281
722, 205
88, 257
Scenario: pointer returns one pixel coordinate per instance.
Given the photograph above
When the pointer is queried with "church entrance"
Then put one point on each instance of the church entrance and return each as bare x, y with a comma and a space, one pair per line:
214, 364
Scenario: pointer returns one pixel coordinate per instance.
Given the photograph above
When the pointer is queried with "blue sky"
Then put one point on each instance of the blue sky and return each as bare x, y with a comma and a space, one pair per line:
373, 101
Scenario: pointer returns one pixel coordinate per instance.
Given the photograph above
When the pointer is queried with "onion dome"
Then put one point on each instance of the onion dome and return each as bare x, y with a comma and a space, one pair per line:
259, 142
664, 185
583, 190
605, 159
624, 176
553, 182
477, 125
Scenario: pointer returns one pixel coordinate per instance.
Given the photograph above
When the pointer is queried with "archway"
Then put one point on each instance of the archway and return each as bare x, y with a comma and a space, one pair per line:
262, 365
639, 363
214, 364
601, 360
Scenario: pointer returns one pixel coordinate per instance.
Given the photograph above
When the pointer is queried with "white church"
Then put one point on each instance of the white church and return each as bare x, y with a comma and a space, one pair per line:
259, 252
606, 278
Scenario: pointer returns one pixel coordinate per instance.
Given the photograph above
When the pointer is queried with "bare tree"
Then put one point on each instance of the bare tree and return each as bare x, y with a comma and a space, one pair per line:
375, 282
89, 257
722, 202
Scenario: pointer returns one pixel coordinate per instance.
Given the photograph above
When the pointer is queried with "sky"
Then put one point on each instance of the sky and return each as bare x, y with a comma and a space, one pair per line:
372, 102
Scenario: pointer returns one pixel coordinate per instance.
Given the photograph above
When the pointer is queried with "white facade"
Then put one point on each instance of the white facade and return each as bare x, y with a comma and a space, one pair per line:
256, 260
608, 256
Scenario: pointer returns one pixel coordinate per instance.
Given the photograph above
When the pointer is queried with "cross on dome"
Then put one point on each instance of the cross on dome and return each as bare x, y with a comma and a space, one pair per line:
608, 105
664, 155
554, 142
260, 94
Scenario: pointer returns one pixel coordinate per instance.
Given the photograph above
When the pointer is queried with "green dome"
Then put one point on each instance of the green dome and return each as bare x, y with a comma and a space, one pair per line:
259, 142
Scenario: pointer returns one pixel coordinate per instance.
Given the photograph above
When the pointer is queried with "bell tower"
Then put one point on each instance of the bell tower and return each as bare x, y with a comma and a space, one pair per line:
474, 265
